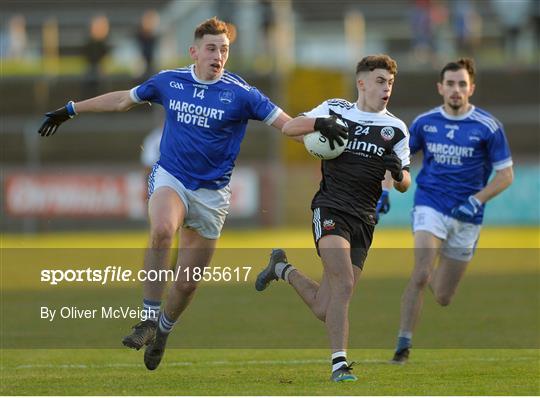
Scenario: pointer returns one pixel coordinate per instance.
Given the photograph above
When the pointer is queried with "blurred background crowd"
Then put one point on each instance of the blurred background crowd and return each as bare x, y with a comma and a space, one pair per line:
298, 52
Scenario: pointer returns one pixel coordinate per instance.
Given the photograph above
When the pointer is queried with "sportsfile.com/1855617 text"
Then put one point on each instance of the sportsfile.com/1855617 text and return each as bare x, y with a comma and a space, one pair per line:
113, 273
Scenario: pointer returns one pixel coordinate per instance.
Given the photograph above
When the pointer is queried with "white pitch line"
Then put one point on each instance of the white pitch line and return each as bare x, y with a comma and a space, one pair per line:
174, 364
250, 362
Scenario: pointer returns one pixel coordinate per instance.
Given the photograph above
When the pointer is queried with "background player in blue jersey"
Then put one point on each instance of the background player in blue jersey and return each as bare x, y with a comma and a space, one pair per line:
462, 145
344, 206
206, 112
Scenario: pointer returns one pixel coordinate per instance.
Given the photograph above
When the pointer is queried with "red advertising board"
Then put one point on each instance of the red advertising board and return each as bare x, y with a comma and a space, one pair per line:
74, 195
121, 194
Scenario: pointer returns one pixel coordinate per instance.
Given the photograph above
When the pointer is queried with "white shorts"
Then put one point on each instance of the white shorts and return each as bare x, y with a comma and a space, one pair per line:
459, 238
206, 209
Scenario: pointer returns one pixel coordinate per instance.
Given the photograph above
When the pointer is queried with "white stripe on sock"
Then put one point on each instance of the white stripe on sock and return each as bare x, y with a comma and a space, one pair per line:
339, 354
164, 324
279, 269
338, 365
287, 273
407, 335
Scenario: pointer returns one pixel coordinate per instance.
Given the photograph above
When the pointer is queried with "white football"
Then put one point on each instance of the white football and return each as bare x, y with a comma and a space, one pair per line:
318, 145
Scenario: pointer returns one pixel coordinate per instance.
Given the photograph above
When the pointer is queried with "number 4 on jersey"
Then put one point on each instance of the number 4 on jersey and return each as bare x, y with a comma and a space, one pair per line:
198, 93
450, 134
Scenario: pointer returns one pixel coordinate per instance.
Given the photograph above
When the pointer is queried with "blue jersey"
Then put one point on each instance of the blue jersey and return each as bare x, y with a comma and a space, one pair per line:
205, 123
460, 152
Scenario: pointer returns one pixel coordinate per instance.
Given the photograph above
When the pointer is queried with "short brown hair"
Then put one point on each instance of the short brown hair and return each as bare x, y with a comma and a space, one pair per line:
212, 26
379, 61
462, 63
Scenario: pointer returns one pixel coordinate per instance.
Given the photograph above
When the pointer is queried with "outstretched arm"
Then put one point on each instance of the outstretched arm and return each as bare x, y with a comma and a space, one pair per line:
299, 126
281, 120
117, 101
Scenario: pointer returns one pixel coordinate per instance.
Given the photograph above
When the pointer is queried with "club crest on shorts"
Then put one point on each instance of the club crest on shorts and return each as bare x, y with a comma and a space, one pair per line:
226, 96
387, 133
329, 225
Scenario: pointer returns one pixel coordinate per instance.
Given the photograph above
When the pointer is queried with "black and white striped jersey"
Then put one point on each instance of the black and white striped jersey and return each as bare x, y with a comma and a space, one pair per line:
352, 181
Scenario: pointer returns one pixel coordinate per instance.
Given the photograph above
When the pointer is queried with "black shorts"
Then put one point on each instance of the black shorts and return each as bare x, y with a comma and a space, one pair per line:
359, 233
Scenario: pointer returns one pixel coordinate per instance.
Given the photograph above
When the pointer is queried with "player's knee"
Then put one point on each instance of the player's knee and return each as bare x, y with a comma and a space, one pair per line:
420, 280
186, 288
344, 288
320, 313
162, 235
348, 288
443, 299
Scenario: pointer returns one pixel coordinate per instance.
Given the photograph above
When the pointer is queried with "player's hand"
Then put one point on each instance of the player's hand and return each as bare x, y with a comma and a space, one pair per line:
383, 204
331, 129
392, 163
54, 119
466, 211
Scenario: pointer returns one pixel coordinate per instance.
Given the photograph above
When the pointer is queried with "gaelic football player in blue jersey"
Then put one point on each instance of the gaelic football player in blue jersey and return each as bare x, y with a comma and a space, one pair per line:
462, 145
206, 113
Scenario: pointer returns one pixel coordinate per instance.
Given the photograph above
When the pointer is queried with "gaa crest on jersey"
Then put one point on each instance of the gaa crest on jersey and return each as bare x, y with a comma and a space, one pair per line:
176, 85
329, 225
428, 128
387, 133
226, 96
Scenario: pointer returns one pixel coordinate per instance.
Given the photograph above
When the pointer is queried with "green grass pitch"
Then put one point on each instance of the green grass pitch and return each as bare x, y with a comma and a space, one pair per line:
268, 372
235, 341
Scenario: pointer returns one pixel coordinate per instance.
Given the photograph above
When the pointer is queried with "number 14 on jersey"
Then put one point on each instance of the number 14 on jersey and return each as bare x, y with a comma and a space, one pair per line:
198, 93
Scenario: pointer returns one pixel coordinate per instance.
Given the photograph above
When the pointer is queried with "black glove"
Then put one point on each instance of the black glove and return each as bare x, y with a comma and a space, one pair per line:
392, 163
331, 129
54, 119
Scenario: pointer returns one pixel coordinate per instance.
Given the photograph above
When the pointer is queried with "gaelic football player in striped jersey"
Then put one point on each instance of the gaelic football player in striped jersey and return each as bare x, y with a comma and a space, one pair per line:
344, 207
